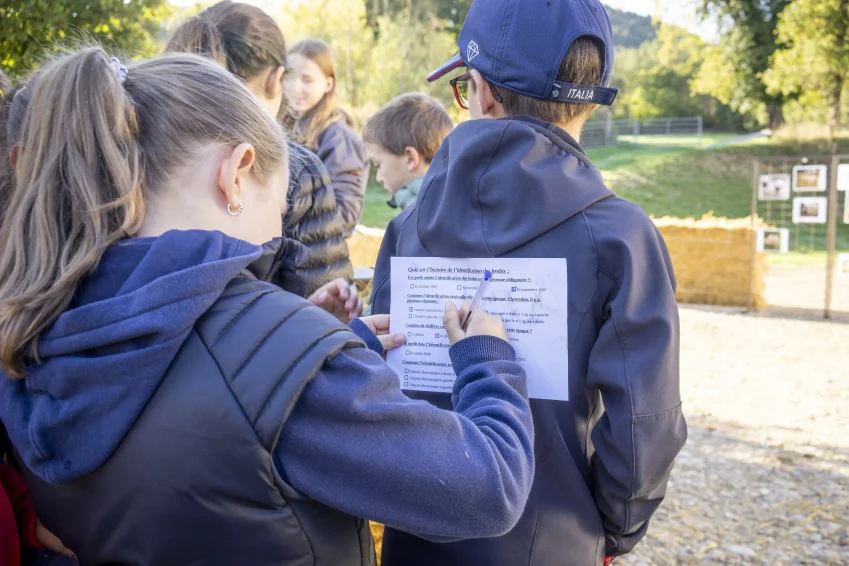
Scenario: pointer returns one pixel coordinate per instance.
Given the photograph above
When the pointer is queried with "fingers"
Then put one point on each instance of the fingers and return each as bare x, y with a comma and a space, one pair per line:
379, 323
451, 321
319, 298
392, 341
50, 541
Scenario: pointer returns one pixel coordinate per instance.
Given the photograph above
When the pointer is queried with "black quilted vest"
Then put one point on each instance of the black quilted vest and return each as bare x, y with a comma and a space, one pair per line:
194, 481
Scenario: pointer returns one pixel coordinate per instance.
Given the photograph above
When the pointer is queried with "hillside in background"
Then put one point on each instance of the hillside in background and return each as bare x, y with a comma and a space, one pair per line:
630, 29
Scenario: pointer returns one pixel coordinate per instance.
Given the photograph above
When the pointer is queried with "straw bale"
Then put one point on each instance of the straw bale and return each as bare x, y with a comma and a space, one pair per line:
711, 257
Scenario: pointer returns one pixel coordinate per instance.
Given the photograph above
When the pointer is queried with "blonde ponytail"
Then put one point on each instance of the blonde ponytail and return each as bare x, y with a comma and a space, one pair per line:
78, 191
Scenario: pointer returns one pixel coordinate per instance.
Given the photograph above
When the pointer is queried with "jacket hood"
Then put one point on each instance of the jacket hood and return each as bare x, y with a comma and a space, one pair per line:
104, 357
490, 176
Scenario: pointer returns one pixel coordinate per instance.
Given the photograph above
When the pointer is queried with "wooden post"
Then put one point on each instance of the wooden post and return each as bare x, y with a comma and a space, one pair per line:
753, 236
833, 210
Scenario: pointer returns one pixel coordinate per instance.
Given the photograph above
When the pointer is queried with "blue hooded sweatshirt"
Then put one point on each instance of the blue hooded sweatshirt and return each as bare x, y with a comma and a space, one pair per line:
521, 188
353, 441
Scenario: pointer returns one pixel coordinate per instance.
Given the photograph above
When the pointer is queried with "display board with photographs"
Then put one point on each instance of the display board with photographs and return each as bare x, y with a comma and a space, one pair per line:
810, 210
774, 240
810, 178
843, 177
774, 187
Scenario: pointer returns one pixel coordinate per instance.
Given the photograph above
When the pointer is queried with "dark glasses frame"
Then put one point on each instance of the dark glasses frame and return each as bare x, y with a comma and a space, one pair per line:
463, 101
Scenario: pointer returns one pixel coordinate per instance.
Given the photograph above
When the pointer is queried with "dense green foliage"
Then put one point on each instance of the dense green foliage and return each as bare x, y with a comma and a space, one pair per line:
29, 31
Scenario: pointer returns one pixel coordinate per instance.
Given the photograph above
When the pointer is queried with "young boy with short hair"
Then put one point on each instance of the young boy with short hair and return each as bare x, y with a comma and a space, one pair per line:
519, 185
401, 140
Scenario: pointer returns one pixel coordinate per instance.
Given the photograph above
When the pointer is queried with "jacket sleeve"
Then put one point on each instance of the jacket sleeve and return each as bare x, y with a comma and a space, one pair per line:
344, 155
355, 442
634, 365
313, 219
381, 292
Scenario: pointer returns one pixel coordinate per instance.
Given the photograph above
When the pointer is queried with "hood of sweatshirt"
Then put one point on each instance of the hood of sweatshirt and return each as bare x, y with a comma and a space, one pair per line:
103, 358
498, 184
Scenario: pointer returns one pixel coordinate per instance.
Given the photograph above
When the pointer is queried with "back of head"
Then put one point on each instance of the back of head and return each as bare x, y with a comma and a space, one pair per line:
583, 65
410, 120
549, 60
327, 111
124, 132
243, 38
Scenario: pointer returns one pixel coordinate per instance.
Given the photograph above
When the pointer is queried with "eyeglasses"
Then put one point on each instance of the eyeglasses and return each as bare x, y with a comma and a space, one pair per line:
461, 90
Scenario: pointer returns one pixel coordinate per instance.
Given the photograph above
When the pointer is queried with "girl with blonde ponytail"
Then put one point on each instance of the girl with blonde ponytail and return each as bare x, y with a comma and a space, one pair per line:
168, 404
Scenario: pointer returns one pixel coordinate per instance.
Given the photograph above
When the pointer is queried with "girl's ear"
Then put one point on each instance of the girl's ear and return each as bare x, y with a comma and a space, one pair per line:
235, 166
414, 158
274, 82
331, 84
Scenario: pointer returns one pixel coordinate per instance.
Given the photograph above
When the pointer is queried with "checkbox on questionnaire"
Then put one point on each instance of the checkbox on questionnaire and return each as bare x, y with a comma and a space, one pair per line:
411, 309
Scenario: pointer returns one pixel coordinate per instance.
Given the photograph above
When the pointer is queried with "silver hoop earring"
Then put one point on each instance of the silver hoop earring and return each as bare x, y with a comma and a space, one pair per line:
238, 212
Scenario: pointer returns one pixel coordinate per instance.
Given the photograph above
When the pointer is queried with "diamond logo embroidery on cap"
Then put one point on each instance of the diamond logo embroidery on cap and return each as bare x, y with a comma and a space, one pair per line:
472, 51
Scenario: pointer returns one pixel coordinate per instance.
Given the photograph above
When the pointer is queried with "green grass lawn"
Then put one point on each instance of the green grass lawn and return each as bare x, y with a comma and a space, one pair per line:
676, 176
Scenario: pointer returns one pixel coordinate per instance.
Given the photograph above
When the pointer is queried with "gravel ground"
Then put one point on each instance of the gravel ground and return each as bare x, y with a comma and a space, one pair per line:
764, 477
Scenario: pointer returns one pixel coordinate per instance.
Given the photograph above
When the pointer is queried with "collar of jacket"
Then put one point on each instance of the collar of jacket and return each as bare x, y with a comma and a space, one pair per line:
279, 264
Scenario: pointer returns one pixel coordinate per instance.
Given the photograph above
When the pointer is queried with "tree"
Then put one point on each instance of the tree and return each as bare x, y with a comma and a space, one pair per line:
814, 62
376, 60
31, 30
747, 48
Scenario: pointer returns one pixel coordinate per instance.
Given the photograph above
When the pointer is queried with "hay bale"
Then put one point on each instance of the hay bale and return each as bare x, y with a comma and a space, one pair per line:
363, 246
711, 257
377, 535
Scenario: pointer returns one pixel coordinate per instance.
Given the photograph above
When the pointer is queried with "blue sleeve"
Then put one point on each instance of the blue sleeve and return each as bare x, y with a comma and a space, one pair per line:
355, 442
344, 155
634, 365
381, 293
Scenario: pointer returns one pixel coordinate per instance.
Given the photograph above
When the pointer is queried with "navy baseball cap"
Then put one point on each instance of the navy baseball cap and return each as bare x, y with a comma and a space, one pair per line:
520, 44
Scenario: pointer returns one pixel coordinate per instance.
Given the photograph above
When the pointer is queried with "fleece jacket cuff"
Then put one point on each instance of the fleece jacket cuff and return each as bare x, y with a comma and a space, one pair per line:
365, 334
479, 350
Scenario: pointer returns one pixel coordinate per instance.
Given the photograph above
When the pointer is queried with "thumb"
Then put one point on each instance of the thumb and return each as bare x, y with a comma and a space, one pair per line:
451, 321
392, 341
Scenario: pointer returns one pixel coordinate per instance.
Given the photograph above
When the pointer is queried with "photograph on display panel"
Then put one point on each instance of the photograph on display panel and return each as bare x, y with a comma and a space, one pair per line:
843, 266
774, 187
774, 240
810, 178
843, 177
846, 209
810, 210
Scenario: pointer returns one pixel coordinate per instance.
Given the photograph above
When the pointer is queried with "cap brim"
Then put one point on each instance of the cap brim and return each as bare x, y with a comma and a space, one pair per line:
454, 63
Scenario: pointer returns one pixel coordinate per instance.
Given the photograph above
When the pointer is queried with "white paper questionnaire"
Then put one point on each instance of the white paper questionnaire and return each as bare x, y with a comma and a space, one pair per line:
530, 295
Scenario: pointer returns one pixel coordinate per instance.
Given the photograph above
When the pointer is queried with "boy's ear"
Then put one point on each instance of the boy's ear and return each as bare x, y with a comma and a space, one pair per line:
483, 95
414, 158
274, 82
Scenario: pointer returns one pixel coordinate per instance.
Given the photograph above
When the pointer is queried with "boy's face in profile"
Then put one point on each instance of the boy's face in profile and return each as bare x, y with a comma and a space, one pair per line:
393, 171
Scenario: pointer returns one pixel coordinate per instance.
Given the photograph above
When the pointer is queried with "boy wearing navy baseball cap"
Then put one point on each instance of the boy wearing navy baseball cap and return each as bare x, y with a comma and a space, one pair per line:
519, 185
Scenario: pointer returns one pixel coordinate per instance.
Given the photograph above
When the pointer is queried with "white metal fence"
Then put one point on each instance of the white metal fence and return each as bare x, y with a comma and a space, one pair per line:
607, 131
